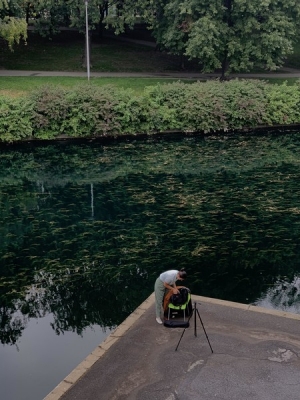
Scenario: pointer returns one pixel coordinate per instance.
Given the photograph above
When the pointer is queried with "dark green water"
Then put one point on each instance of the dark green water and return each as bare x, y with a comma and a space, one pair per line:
86, 228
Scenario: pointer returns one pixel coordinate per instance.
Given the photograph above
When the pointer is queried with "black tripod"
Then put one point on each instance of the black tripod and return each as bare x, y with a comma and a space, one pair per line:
196, 312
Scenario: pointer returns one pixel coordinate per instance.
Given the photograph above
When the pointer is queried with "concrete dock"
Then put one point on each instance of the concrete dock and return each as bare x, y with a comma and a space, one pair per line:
249, 353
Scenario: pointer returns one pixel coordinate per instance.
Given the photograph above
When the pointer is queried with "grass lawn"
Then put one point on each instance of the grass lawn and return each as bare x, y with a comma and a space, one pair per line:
42, 54
20, 85
65, 53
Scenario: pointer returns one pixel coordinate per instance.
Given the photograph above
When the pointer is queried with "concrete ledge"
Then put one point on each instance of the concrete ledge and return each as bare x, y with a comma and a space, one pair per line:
123, 328
96, 354
246, 307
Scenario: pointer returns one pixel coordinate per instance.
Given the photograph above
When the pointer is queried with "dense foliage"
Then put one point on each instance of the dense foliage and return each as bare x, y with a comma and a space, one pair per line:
49, 16
13, 26
89, 111
231, 35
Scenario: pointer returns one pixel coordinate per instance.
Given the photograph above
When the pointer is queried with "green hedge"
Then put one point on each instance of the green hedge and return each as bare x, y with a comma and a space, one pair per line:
90, 111
15, 119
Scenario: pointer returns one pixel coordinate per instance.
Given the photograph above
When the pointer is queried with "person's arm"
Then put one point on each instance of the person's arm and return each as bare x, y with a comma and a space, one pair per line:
170, 287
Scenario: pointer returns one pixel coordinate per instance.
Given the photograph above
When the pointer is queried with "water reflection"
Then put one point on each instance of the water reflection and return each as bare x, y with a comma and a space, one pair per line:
86, 228
41, 361
284, 296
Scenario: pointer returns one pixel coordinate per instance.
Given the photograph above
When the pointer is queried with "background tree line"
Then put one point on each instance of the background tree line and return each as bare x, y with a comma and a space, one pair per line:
228, 35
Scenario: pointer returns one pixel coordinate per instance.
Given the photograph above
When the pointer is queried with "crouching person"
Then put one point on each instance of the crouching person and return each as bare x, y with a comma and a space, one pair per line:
166, 281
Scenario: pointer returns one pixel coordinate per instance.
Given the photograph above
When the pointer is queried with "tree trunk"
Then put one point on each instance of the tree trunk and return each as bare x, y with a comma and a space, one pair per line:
225, 62
225, 65
103, 11
182, 62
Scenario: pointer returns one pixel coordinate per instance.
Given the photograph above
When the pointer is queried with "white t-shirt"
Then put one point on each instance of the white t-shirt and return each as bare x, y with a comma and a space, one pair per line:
169, 277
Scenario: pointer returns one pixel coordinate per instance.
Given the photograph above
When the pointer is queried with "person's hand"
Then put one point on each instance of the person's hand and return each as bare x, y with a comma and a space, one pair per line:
175, 291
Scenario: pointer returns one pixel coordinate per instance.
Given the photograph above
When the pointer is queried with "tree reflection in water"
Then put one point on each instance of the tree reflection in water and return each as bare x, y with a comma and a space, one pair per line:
284, 295
87, 227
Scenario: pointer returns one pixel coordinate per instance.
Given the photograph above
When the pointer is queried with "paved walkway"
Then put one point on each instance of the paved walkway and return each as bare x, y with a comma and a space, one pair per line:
255, 356
178, 75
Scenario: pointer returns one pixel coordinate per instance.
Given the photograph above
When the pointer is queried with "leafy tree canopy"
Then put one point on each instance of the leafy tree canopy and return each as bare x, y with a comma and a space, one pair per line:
12, 26
50, 15
231, 35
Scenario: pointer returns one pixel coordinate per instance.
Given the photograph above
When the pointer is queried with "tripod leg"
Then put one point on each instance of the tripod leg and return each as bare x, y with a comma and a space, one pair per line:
180, 339
185, 329
195, 320
204, 330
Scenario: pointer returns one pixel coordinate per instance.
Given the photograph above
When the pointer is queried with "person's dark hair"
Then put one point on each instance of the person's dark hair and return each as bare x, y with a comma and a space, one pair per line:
182, 273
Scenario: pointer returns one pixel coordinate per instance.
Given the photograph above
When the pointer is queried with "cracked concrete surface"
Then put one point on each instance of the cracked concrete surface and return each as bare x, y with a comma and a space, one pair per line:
255, 356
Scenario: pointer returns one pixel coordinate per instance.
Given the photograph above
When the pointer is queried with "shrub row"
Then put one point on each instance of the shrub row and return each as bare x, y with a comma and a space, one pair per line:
90, 111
